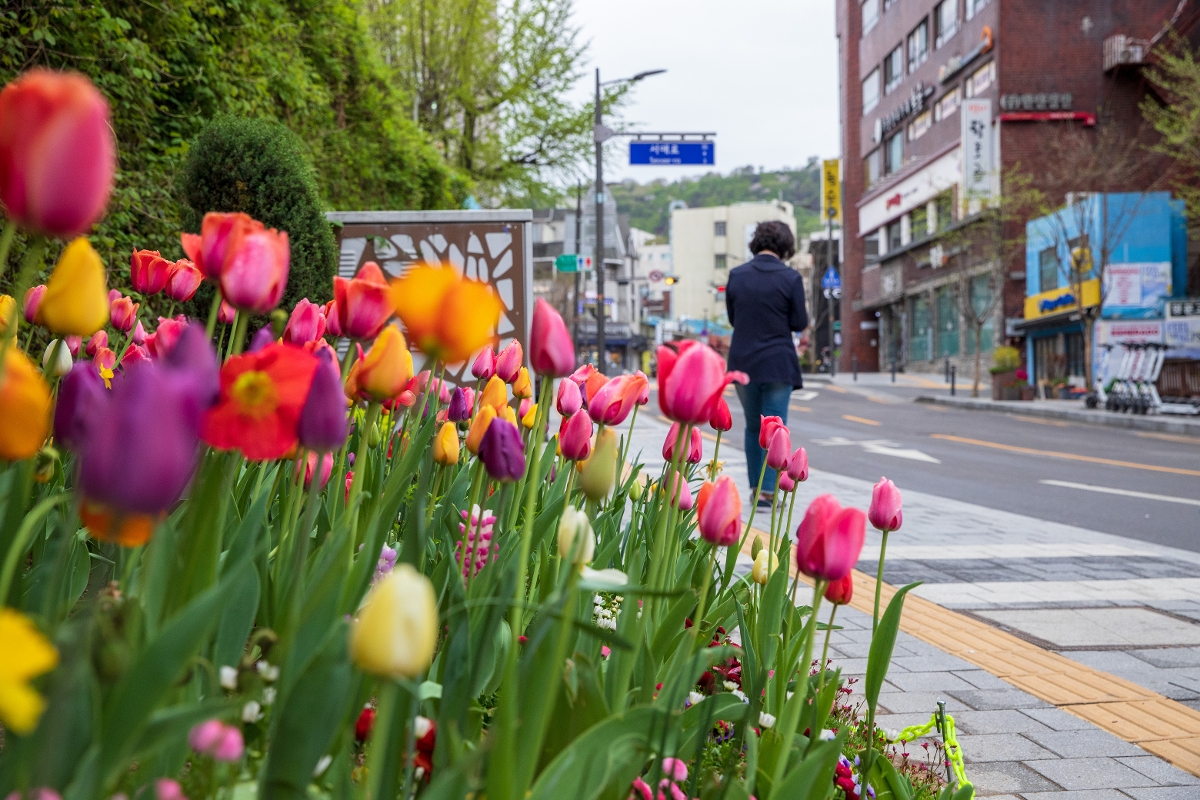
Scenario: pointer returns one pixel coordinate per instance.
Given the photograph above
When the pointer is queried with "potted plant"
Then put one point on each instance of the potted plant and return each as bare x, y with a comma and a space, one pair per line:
1005, 383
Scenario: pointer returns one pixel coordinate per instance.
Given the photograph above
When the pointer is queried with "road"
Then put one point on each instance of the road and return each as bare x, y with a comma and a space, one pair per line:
1143, 485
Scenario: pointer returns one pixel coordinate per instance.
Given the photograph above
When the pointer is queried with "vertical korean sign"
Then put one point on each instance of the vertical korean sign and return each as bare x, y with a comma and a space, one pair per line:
831, 191
977, 148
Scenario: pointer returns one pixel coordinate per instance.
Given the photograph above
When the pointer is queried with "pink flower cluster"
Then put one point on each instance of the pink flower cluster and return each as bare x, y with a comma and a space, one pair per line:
676, 772
478, 539
215, 738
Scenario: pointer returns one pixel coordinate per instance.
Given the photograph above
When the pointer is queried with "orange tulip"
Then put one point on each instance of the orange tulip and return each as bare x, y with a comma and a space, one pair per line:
479, 425
495, 394
446, 316
387, 368
24, 408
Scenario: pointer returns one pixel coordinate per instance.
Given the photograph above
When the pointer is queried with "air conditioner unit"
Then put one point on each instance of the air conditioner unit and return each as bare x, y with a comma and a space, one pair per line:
1120, 50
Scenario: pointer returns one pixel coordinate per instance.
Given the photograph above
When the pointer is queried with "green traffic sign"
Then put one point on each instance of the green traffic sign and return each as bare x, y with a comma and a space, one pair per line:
567, 262
837, 324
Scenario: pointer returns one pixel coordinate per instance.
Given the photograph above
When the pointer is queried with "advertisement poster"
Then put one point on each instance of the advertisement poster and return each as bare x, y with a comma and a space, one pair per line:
977, 147
1136, 291
1116, 333
1182, 329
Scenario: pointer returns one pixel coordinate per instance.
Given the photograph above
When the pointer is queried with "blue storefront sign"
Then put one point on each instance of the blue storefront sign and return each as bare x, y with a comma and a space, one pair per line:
672, 153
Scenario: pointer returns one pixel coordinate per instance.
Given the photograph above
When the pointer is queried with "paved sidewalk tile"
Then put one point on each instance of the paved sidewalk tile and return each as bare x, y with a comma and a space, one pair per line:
1000, 747
1090, 773
1100, 794
1084, 743
1057, 719
1160, 772
1010, 776
1164, 793
1000, 721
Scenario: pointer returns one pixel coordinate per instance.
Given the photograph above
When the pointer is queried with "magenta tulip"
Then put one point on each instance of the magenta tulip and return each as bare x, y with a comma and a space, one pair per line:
721, 419
786, 484
681, 494
885, 512
570, 399
226, 314
73, 343
33, 300
502, 452
508, 363
134, 354
183, 281
779, 448
613, 401
766, 427
138, 336
695, 446
484, 366
551, 350
256, 270
163, 339
306, 324
797, 467
721, 517
691, 381
644, 395
829, 539
575, 436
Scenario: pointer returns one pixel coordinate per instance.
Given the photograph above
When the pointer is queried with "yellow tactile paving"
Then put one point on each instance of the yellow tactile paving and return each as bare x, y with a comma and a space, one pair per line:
1159, 725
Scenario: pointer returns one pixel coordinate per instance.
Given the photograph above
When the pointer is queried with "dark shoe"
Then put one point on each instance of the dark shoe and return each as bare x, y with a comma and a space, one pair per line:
764, 502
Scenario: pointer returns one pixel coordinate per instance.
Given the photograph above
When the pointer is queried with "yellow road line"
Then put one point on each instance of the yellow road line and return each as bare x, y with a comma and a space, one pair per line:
862, 420
1112, 462
1058, 423
943, 409
837, 389
1169, 437
799, 408
879, 400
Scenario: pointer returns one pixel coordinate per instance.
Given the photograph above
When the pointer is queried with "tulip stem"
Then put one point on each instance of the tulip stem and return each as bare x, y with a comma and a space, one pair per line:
712, 560
712, 469
625, 444
380, 737
825, 649
348, 359
34, 253
360, 466
762, 473
240, 323
878, 583
213, 311
6, 240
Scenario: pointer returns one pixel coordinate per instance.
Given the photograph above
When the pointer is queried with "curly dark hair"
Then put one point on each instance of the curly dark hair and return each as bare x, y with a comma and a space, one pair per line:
775, 236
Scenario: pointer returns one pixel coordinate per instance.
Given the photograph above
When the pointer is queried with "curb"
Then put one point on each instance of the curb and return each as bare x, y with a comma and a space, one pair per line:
1162, 424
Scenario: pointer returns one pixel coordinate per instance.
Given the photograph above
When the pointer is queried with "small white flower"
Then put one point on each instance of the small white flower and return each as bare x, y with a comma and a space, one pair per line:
251, 712
892, 734
322, 765
695, 697
827, 735
269, 672
228, 678
740, 695
268, 696
730, 686
598, 600
419, 773
789, 695
421, 726
766, 720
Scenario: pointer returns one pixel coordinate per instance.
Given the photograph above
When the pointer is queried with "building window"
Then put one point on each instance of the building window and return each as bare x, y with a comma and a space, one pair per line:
870, 89
981, 299
919, 223
1048, 269
974, 6
893, 236
719, 261
719, 228
919, 344
871, 244
870, 15
871, 167
947, 105
893, 69
945, 210
894, 154
918, 45
945, 21
981, 79
947, 321
922, 123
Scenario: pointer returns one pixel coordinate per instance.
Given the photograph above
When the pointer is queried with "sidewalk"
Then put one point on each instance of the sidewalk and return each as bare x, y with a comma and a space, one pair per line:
1073, 410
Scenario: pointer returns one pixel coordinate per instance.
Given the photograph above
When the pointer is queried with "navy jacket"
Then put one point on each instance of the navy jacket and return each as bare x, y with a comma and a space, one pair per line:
765, 301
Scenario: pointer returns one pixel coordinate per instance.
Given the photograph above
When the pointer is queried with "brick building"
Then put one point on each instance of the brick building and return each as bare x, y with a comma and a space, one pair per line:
918, 80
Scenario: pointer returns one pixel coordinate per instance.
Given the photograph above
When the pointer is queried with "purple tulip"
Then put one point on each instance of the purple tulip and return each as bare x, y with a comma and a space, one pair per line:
140, 453
323, 426
502, 452
460, 409
193, 359
78, 394
264, 337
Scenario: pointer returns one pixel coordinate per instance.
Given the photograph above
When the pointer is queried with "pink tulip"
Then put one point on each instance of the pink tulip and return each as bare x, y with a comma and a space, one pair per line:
310, 466
306, 324
134, 354
468, 396
691, 381
33, 299
205, 736
139, 334
644, 395
99, 339
226, 314
162, 340
231, 745
362, 303
123, 314
581, 375
613, 401
570, 399
779, 448
721, 419
104, 359
256, 270
797, 467
829, 539
785, 483
57, 155
333, 325
168, 789
73, 343
41, 793
575, 436
221, 234
484, 366
148, 271
508, 363
675, 769
766, 427
523, 408
183, 281
681, 494
721, 517
551, 351
695, 446
885, 512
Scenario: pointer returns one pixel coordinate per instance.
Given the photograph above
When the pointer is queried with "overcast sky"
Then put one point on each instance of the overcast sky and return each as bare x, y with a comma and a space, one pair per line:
761, 73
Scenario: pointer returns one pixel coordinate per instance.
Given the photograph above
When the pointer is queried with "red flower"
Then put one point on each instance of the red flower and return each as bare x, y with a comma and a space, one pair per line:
148, 271
361, 303
366, 721
262, 395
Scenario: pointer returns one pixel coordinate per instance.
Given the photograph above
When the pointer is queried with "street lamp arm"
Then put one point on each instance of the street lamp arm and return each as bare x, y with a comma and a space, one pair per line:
635, 78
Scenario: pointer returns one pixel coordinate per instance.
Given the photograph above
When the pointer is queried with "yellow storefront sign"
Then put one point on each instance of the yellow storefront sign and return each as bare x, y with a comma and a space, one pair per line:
1058, 301
831, 191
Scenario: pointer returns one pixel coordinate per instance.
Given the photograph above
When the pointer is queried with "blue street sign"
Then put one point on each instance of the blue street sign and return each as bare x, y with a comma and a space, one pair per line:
831, 280
667, 153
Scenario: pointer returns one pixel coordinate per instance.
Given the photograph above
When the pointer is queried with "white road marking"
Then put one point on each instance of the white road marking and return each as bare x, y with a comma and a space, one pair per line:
804, 396
946, 552
1087, 487
879, 447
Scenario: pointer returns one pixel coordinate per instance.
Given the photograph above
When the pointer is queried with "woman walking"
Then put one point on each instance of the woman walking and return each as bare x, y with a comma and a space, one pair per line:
765, 301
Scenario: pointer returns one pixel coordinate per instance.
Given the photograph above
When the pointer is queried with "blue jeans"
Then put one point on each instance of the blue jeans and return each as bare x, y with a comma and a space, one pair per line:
761, 400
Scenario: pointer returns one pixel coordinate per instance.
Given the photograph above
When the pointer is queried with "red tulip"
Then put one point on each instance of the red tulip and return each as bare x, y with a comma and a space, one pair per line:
256, 270
307, 323
695, 446
508, 363
829, 539
691, 381
841, 591
149, 271
797, 468
575, 436
183, 281
885, 512
721, 515
33, 299
779, 448
361, 303
613, 401
551, 351
57, 155
766, 427
364, 724
123, 314
484, 366
721, 419
99, 339
570, 399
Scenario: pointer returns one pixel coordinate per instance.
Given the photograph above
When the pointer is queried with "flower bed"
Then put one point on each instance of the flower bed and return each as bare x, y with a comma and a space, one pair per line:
237, 566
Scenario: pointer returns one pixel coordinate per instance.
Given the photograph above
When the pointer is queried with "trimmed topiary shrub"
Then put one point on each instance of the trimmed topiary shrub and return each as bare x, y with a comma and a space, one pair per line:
257, 166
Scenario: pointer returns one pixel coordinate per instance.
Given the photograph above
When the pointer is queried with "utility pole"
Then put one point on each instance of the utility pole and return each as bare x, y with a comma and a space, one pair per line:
829, 265
576, 302
598, 264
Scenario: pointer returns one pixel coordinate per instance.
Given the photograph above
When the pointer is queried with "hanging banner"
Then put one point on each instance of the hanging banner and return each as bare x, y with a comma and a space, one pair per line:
831, 191
977, 148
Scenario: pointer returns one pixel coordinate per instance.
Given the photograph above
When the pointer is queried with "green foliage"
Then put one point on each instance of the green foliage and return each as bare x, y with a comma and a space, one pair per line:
1007, 359
648, 204
255, 166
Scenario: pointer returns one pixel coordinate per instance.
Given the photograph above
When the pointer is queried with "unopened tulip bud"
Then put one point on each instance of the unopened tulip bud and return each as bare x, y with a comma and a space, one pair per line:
8, 311
551, 350
76, 300
720, 520
138, 336
33, 300
445, 445
183, 281
306, 323
691, 381
575, 436
123, 313
508, 363
388, 366
323, 426
576, 540
569, 398
148, 271
721, 419
460, 408
695, 450
600, 471
764, 564
226, 314
886, 512
529, 418
502, 452
841, 591
508, 415
99, 339
522, 387
779, 449
61, 364
479, 426
797, 468
786, 484
611, 403
829, 539
397, 626
766, 427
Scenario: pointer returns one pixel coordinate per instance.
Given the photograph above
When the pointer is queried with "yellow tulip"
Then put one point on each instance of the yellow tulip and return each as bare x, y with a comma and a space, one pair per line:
397, 628
76, 300
522, 387
387, 367
447, 317
764, 564
25, 655
530, 417
479, 425
576, 540
445, 445
495, 394
599, 472
24, 408
508, 415
8, 311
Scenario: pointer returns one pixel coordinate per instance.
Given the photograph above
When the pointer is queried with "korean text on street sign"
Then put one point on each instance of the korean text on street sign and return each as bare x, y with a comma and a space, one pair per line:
569, 262
669, 153
831, 191
977, 147
831, 279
